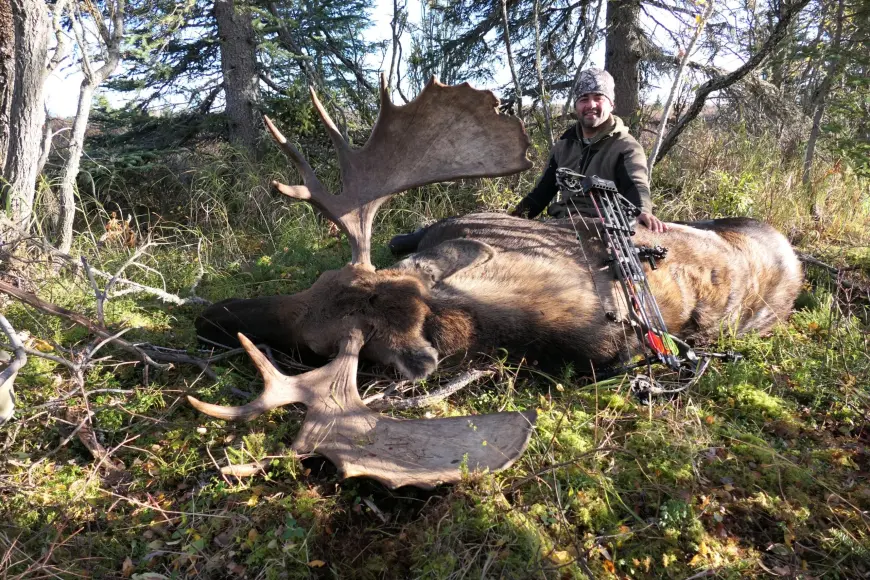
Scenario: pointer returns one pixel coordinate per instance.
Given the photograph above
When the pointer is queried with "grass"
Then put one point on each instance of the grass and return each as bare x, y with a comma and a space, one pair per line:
761, 469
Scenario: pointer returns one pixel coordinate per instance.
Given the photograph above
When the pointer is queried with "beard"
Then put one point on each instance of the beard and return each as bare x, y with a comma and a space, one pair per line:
592, 121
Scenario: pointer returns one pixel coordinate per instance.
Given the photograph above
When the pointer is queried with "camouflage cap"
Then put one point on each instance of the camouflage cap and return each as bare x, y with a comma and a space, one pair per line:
595, 80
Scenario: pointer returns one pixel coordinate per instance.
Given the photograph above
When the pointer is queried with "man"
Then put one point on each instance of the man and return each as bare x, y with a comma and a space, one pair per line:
599, 144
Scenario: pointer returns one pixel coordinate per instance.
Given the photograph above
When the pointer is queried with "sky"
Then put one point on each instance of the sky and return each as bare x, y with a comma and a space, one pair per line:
62, 87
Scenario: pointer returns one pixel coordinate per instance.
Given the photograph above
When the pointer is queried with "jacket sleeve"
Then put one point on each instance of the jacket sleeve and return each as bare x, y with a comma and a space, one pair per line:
632, 178
545, 190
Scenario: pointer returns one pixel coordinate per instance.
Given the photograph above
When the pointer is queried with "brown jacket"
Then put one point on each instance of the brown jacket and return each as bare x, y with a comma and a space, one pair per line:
613, 154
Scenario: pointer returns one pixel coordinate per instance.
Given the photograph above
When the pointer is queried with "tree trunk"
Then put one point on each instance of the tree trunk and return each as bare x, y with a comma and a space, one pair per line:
810, 155
239, 65
622, 53
111, 48
21, 104
71, 167
7, 75
819, 100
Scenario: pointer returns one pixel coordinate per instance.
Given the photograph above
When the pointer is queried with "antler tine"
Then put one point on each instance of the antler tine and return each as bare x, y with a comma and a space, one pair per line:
341, 147
278, 390
313, 191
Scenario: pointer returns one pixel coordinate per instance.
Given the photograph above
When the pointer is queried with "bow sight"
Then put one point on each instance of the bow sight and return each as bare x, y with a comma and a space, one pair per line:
617, 218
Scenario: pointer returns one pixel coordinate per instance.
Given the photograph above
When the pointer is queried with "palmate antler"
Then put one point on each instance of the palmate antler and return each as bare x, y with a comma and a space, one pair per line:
446, 133
361, 442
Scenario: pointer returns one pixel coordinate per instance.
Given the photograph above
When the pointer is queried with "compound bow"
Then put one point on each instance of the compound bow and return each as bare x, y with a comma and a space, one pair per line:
617, 217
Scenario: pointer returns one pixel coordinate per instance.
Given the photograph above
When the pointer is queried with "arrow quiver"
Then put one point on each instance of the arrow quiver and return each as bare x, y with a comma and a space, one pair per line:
616, 218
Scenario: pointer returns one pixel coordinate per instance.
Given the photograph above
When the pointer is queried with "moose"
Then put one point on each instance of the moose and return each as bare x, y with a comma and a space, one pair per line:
475, 283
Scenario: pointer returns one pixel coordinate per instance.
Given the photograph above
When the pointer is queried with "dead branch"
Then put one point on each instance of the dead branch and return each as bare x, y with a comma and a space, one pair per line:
7, 377
432, 398
11, 235
159, 359
836, 274
789, 12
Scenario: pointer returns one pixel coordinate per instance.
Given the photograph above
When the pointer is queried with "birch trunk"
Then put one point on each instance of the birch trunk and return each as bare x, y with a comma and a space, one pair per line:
71, 167
675, 88
93, 79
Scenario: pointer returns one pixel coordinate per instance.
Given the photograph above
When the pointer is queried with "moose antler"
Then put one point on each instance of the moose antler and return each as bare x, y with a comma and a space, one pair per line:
446, 133
361, 442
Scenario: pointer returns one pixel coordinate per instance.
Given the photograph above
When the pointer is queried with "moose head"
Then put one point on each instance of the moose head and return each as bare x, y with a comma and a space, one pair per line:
446, 133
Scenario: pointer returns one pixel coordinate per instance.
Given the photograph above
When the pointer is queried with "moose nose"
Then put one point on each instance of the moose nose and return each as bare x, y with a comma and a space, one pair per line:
417, 363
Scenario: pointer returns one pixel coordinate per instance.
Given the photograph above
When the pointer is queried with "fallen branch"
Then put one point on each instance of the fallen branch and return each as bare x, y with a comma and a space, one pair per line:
429, 399
7, 228
808, 259
156, 358
837, 274
7, 377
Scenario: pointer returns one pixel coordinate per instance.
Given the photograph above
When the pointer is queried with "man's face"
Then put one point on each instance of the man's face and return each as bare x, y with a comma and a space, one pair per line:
593, 109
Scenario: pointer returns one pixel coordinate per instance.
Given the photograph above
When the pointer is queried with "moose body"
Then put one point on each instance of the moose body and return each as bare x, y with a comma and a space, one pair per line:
487, 281
476, 283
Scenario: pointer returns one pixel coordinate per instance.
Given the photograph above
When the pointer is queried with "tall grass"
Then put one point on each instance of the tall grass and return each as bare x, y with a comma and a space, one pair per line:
723, 172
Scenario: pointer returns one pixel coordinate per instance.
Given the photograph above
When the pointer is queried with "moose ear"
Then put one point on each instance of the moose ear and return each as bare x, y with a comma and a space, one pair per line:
446, 259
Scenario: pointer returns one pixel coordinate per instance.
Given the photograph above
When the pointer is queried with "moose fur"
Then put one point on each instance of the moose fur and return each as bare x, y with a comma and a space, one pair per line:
487, 281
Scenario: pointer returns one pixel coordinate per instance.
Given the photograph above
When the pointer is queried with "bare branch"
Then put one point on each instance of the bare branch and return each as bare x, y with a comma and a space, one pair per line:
789, 12
434, 397
60, 48
678, 79
671, 9
7, 376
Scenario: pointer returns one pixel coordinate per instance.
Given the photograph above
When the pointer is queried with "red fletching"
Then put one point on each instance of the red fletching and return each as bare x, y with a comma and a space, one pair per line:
655, 342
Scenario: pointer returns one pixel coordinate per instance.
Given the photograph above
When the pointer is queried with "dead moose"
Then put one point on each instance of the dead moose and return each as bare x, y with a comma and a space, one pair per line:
476, 283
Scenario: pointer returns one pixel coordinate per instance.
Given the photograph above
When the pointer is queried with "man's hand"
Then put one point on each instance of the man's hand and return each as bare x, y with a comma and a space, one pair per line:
652, 222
